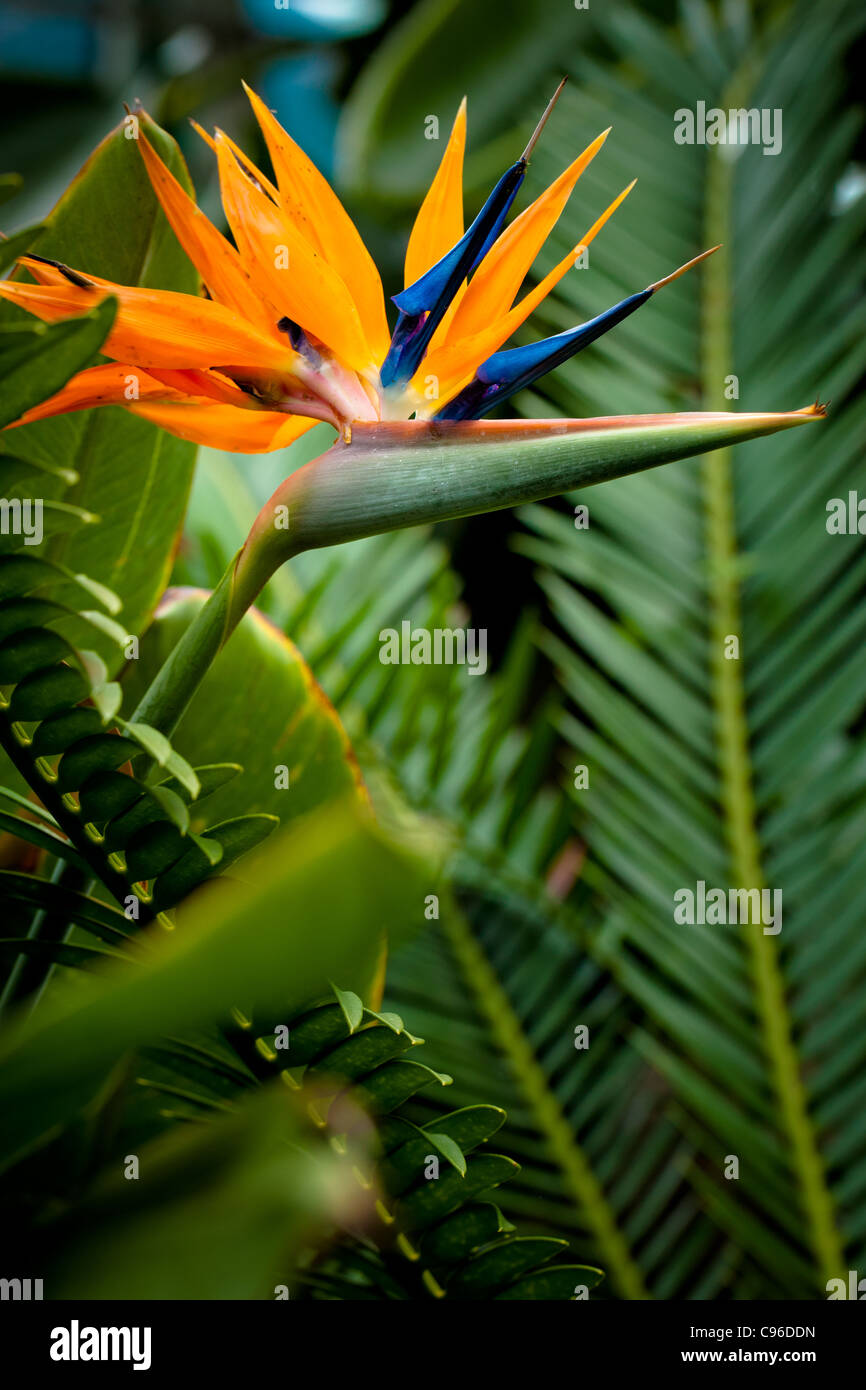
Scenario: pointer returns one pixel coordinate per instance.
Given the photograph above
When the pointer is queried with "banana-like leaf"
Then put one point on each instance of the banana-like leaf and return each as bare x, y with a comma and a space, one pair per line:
217, 1211
334, 870
38, 362
294, 754
130, 473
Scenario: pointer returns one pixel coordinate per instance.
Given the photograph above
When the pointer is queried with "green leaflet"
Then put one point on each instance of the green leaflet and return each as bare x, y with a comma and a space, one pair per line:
77, 757
436, 1240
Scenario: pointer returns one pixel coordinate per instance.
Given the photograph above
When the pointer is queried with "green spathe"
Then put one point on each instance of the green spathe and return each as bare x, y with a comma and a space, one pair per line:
392, 475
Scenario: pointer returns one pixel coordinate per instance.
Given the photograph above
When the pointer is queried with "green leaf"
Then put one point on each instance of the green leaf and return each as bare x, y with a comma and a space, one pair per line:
430, 1202
155, 744
216, 1212
449, 1150
362, 1053
43, 839
10, 184
18, 799
225, 843
319, 1029
503, 1265
351, 1005
334, 869
391, 1085
70, 953
159, 749
97, 917
132, 474
455, 1238
148, 812
16, 245
210, 776
558, 1281
210, 848
41, 362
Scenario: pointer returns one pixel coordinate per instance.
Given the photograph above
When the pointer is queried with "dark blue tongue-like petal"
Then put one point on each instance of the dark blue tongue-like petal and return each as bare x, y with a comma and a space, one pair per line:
423, 305
495, 229
506, 372
432, 294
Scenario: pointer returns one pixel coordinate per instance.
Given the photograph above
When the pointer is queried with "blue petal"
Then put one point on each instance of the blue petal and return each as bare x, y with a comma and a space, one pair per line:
433, 292
506, 372
299, 341
495, 230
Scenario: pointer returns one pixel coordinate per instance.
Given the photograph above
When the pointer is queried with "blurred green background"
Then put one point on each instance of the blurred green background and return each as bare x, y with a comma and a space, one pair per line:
706, 1042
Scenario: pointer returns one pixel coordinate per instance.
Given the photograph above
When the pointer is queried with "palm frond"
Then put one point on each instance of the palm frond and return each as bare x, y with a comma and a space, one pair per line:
738, 772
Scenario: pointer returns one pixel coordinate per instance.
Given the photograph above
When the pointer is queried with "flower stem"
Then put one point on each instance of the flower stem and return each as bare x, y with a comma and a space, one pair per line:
167, 698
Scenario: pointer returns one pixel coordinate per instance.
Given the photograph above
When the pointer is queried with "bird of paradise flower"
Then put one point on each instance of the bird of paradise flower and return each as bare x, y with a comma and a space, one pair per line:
294, 328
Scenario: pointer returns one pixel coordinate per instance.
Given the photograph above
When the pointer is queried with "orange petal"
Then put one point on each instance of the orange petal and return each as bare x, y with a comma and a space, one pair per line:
156, 328
493, 287
199, 383
453, 365
224, 427
297, 279
243, 159
111, 383
439, 224
215, 259
313, 206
